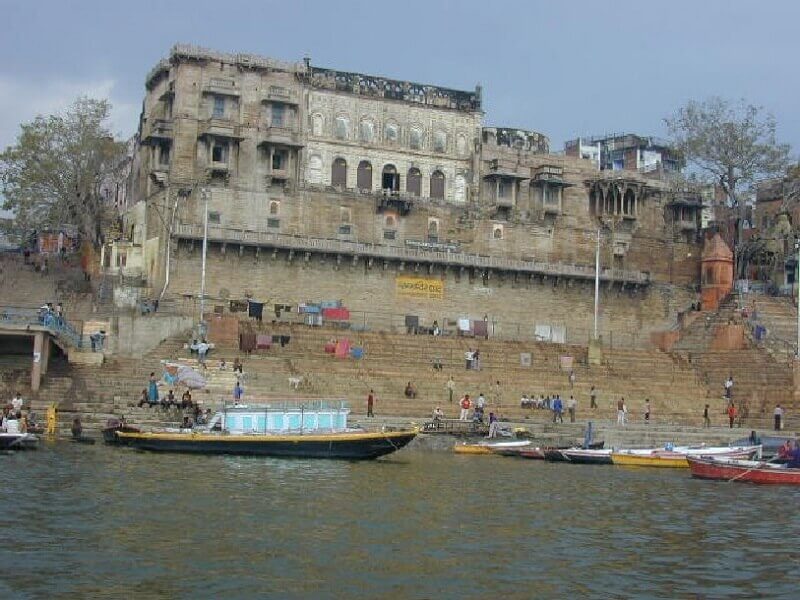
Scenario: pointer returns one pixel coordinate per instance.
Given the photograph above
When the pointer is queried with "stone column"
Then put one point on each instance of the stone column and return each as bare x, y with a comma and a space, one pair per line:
796, 384
36, 370
46, 343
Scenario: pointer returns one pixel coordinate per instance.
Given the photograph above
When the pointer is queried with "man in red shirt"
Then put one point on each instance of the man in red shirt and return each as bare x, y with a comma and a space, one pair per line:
731, 413
465, 405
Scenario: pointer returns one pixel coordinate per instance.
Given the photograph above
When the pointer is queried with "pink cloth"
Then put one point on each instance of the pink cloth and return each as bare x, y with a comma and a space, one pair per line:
342, 348
336, 314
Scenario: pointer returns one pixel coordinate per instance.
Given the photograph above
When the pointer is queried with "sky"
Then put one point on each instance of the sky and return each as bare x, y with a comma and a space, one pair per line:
561, 68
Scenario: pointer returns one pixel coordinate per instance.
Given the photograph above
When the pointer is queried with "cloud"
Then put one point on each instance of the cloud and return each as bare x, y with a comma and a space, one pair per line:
21, 101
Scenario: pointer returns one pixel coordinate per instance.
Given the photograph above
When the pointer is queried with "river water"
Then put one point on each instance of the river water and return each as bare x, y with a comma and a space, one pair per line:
93, 522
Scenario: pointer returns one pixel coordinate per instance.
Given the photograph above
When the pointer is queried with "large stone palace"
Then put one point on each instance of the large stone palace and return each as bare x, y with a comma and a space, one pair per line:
393, 197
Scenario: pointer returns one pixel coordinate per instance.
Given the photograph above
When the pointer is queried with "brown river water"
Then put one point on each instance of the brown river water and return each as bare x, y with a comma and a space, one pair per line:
97, 522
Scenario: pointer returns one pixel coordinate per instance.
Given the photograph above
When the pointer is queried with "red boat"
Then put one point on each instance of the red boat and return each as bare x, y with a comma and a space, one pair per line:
750, 471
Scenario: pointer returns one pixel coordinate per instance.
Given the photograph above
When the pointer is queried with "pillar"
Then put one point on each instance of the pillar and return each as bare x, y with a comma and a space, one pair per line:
46, 344
36, 370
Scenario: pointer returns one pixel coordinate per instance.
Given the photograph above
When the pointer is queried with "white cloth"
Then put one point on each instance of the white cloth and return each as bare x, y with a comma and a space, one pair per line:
464, 414
481, 401
464, 325
12, 426
16, 403
620, 417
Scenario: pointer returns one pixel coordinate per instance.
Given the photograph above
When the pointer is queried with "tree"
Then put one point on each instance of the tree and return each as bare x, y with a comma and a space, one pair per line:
734, 144
53, 174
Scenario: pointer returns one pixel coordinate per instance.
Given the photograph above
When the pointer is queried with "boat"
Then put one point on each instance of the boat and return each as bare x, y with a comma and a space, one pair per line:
113, 426
300, 430
18, 441
586, 456
534, 453
677, 457
747, 471
489, 447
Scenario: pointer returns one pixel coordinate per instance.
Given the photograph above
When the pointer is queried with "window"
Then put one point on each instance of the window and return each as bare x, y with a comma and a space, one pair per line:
317, 123
274, 207
366, 131
163, 154
415, 139
439, 141
339, 173
214, 217
364, 175
461, 144
314, 170
392, 133
437, 184
389, 234
219, 153
344, 230
502, 189
390, 222
390, 179
497, 232
414, 182
273, 223
344, 214
342, 127
219, 107
278, 115
277, 161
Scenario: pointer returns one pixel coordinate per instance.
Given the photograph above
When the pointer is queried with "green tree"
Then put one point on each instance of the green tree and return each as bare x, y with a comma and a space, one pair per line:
732, 144
52, 176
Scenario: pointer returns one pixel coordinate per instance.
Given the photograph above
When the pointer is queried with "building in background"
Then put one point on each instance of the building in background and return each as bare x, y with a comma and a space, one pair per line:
626, 151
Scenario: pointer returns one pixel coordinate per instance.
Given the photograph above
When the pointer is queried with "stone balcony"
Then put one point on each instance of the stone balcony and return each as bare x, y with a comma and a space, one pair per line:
408, 254
281, 94
221, 86
280, 136
220, 128
157, 130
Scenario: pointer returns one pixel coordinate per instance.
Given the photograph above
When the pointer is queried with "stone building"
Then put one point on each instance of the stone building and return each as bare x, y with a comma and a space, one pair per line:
394, 198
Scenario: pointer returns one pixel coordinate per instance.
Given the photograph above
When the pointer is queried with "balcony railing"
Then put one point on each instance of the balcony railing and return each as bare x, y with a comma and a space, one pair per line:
282, 136
157, 129
380, 251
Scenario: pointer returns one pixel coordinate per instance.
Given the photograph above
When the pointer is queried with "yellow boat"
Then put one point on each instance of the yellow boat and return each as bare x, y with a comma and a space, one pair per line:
656, 459
472, 449
488, 447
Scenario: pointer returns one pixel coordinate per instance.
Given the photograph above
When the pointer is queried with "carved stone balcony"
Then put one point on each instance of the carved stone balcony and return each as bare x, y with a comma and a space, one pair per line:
157, 131
281, 136
220, 128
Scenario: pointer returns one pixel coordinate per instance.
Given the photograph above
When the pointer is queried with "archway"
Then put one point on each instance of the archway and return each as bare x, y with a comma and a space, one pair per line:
339, 173
390, 179
364, 175
414, 182
437, 184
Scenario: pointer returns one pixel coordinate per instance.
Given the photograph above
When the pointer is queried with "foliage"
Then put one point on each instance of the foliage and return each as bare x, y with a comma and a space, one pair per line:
732, 143
52, 176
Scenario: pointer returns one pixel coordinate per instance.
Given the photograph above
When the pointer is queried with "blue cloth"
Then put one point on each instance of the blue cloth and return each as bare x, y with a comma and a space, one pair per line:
558, 406
794, 459
152, 394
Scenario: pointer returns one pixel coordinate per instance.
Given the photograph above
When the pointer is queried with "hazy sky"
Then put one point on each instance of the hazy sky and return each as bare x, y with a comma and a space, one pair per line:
562, 68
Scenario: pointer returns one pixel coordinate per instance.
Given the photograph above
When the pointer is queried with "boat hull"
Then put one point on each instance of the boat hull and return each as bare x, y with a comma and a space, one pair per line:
677, 460
743, 471
580, 456
110, 434
18, 441
350, 446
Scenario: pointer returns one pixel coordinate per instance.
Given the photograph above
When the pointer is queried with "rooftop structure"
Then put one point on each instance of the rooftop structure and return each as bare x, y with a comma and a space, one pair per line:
626, 151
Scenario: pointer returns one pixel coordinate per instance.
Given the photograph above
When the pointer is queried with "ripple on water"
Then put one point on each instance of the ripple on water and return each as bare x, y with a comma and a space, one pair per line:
95, 521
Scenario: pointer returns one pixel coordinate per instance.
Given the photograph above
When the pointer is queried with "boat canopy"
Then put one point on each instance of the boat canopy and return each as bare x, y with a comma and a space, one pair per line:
283, 417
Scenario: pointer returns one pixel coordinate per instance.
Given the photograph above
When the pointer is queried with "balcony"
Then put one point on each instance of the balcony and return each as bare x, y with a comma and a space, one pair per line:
218, 167
281, 136
276, 93
278, 174
157, 130
220, 128
220, 86
686, 224
503, 202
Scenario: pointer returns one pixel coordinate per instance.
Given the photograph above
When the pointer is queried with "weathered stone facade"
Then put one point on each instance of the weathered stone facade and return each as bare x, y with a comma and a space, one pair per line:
310, 166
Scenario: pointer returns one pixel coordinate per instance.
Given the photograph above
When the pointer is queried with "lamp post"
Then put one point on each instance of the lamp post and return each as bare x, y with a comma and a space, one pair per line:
204, 192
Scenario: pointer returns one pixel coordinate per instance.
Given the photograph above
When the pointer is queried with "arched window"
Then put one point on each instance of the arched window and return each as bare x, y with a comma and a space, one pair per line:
364, 175
628, 202
390, 179
317, 123
437, 184
366, 131
339, 173
314, 169
439, 141
392, 133
342, 128
415, 138
274, 207
414, 182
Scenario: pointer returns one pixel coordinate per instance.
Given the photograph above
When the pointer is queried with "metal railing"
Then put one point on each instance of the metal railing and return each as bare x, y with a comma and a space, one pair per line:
26, 316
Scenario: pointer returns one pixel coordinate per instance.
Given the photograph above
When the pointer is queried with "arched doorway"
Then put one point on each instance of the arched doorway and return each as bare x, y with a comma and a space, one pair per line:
437, 184
414, 182
364, 175
339, 173
390, 179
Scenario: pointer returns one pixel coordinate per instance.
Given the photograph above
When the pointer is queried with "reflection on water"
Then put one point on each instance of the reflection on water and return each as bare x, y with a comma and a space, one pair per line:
91, 521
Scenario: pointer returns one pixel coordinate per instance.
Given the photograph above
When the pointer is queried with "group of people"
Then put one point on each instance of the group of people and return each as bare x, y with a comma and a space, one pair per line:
14, 420
51, 316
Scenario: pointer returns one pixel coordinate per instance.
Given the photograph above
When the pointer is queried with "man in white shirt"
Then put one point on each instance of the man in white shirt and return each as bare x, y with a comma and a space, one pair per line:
16, 403
571, 405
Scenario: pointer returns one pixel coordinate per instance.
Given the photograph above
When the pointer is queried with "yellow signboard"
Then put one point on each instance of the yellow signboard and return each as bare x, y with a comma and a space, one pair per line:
420, 287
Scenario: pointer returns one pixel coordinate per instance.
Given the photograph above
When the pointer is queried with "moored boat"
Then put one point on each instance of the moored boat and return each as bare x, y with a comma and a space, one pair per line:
18, 441
584, 456
485, 447
113, 426
748, 471
677, 457
300, 430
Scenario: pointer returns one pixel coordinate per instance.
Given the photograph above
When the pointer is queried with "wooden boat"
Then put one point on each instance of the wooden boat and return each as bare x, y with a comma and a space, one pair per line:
748, 471
677, 457
588, 456
301, 430
534, 453
485, 447
113, 427
18, 441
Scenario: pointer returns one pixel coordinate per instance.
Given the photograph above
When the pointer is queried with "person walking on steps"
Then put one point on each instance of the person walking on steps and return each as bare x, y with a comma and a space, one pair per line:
647, 411
621, 410
451, 387
731, 414
370, 403
465, 404
593, 398
778, 416
706, 418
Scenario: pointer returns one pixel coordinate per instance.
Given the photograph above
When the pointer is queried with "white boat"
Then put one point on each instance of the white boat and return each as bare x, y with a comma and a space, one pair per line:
18, 441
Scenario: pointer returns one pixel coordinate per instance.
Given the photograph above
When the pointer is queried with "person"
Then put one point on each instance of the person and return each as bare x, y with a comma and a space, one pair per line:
169, 400
436, 330
238, 393
370, 403
729, 387
60, 313
778, 416
222, 364
706, 418
16, 402
437, 363
731, 414
451, 387
186, 400
593, 398
465, 404
410, 392
480, 402
438, 414
493, 425
476, 360
143, 399
152, 392
237, 365
571, 379
784, 450
794, 457
621, 410
202, 350
187, 423
12, 424
558, 410
77, 428
647, 411
524, 402
571, 405
468, 359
